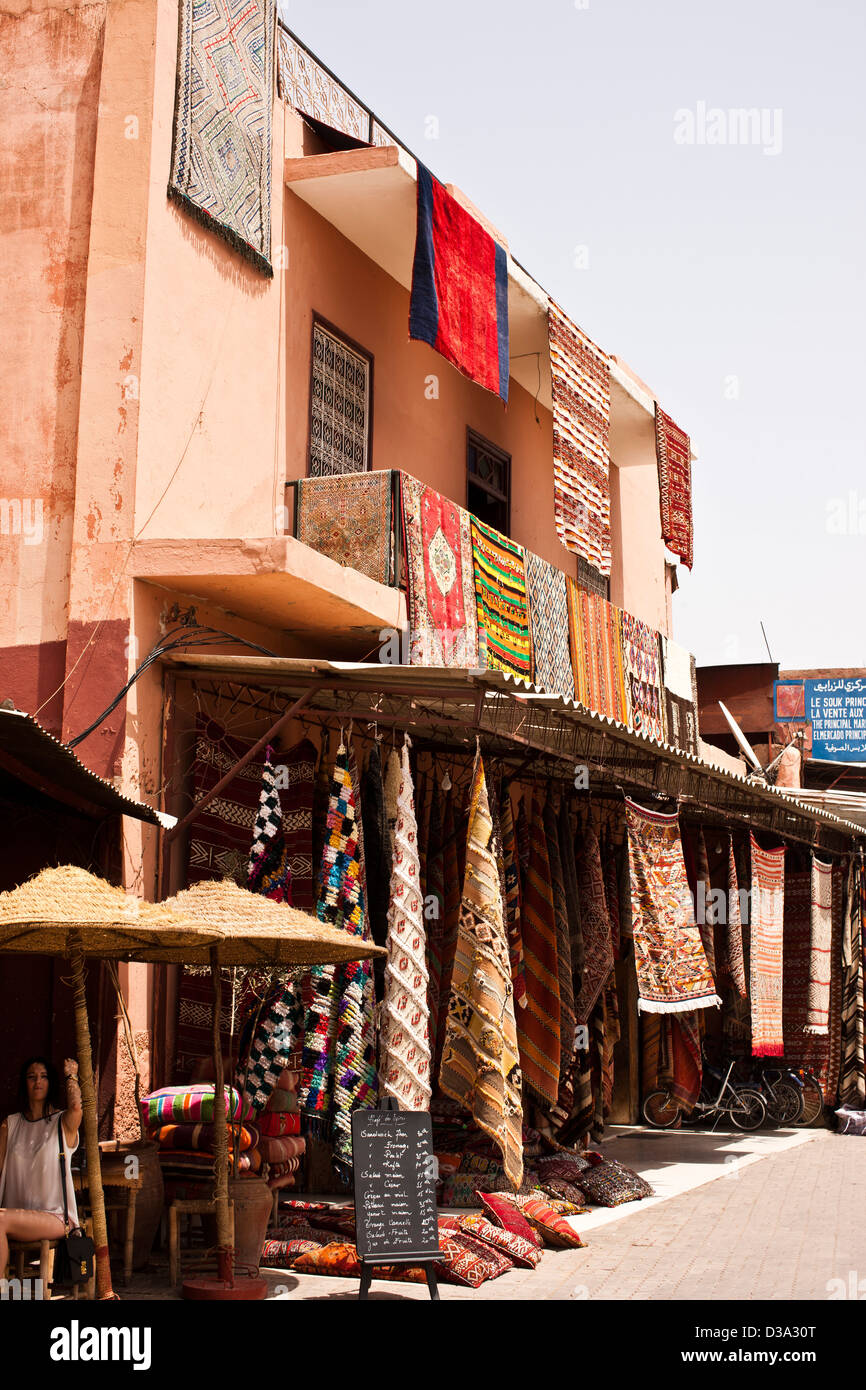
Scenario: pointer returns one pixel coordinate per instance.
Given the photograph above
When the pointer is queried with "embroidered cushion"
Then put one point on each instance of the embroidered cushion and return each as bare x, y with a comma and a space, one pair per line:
478, 1163
192, 1104
520, 1251
297, 1204
274, 1124
568, 1169
611, 1183
339, 1219
561, 1191
468, 1261
342, 1259
551, 1225
503, 1211
281, 1254
448, 1163
461, 1190
296, 1228
279, 1150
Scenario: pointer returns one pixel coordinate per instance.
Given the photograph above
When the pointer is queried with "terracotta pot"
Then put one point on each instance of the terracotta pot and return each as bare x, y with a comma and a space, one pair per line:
253, 1201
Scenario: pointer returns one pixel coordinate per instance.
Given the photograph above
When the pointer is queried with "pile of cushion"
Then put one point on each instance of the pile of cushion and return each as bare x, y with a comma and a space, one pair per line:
181, 1121
281, 1143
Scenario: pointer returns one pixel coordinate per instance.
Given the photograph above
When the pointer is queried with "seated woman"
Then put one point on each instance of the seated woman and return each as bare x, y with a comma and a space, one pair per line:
31, 1195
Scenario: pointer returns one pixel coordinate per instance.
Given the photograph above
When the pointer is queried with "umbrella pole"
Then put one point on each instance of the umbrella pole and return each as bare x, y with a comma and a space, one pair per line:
225, 1253
91, 1125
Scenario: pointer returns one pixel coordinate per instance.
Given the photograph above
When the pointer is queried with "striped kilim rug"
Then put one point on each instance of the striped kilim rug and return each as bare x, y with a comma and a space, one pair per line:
595, 632
673, 452
642, 662
818, 1015
538, 1024
480, 1059
348, 518
441, 591
500, 594
581, 427
820, 1053
548, 615
769, 893
672, 971
221, 157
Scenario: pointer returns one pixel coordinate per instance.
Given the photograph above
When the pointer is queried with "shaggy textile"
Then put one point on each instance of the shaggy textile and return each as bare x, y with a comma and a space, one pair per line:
673, 453
672, 971
221, 156
706, 907
450, 921
595, 630
348, 518
404, 1037
480, 1060
434, 913
580, 374
681, 714
268, 869
393, 777
512, 898
378, 857
734, 930
538, 1024
339, 1046
640, 645
852, 1082
567, 1020
299, 772
594, 926
277, 1034
818, 1015
459, 302
548, 616
765, 983
500, 595
441, 589
321, 801
821, 1052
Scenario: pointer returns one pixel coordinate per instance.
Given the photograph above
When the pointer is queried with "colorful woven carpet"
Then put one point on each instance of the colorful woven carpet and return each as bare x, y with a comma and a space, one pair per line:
765, 952
580, 374
672, 971
548, 616
611, 893
451, 920
642, 662
818, 1013
500, 596
348, 518
683, 1039
595, 631
480, 1061
221, 157
734, 930
706, 904
441, 591
567, 1020
267, 868
538, 1024
852, 1081
594, 926
459, 301
673, 453
434, 915
405, 1033
680, 712
819, 1053
276, 1037
512, 897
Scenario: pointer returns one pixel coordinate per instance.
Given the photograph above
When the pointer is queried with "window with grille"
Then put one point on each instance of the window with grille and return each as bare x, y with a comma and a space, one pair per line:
340, 405
488, 482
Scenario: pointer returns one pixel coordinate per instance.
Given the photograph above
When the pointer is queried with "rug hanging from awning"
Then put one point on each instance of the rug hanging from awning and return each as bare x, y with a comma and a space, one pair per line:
434, 916
500, 594
672, 971
348, 518
819, 1053
852, 1083
443, 624
642, 662
594, 925
480, 1058
567, 1019
673, 454
706, 903
459, 301
405, 1029
595, 632
512, 897
769, 892
734, 930
580, 382
818, 1014
221, 156
538, 1024
548, 615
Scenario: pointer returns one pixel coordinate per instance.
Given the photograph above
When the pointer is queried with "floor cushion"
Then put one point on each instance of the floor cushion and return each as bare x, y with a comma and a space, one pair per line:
503, 1210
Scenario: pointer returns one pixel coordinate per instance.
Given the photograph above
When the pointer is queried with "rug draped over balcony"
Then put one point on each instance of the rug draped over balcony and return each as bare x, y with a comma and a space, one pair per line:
818, 1052
500, 593
672, 971
595, 628
459, 301
581, 426
442, 612
765, 954
548, 614
680, 712
673, 452
643, 677
221, 157
348, 518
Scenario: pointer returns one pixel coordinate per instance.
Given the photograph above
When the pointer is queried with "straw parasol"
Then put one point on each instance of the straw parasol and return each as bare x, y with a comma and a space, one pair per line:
250, 930
68, 911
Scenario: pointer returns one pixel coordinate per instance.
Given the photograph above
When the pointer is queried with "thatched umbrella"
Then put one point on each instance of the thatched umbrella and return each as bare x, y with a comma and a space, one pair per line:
70, 912
251, 930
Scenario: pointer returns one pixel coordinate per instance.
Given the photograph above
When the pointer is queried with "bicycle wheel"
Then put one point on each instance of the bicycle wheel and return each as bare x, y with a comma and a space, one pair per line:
751, 1112
813, 1100
784, 1103
660, 1110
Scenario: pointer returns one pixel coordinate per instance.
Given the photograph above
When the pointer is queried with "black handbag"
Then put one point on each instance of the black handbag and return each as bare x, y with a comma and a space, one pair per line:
73, 1255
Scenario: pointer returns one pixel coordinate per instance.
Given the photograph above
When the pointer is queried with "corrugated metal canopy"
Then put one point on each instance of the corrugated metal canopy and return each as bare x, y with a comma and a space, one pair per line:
32, 755
448, 708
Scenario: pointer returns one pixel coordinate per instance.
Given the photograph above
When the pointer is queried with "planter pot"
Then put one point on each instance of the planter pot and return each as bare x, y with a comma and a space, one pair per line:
253, 1202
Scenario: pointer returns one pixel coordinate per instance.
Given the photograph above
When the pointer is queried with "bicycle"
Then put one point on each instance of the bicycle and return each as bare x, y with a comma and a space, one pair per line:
745, 1106
782, 1089
813, 1098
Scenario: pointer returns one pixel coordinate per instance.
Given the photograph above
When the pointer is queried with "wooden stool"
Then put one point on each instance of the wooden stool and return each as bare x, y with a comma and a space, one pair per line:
123, 1198
187, 1207
18, 1250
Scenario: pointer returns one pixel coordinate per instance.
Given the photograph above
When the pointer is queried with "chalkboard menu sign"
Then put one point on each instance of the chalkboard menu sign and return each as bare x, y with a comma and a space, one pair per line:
395, 1186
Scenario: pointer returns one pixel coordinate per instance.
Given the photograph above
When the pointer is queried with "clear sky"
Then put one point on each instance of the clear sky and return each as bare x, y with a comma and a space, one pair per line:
724, 264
